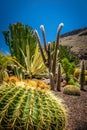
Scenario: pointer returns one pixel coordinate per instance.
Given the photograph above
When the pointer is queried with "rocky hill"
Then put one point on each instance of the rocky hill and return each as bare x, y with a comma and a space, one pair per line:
77, 40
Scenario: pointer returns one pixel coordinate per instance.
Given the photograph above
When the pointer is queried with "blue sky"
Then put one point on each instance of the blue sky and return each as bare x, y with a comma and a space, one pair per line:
73, 13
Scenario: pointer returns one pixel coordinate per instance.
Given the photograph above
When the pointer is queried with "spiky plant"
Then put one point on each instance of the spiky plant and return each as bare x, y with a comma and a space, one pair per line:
30, 108
17, 36
82, 75
59, 78
77, 72
49, 60
72, 90
34, 67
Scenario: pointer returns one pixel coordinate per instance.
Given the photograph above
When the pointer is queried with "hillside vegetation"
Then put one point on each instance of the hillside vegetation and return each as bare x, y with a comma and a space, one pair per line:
77, 40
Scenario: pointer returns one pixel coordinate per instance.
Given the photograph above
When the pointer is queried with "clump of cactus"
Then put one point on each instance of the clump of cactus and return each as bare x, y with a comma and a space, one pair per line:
47, 56
18, 36
30, 108
72, 90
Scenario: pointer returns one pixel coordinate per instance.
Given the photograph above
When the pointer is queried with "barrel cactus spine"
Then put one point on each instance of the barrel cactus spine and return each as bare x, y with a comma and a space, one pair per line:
30, 108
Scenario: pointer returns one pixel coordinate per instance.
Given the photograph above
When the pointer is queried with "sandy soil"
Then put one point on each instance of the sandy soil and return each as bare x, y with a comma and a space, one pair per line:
77, 110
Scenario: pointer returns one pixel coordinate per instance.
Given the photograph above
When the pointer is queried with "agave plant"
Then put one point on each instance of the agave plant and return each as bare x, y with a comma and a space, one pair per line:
33, 66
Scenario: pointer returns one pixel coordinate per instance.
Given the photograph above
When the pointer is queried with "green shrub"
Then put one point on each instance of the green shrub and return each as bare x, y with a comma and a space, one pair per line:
65, 51
72, 90
68, 67
73, 81
26, 108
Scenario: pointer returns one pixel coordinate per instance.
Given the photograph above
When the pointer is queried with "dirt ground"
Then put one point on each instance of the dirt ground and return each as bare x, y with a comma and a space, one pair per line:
77, 110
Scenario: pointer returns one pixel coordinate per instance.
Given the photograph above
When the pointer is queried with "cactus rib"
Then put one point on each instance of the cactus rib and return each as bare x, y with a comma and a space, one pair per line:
29, 108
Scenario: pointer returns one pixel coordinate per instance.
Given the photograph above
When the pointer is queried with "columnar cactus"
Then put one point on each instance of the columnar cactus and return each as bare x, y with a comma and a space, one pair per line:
17, 37
29, 108
59, 78
49, 62
82, 76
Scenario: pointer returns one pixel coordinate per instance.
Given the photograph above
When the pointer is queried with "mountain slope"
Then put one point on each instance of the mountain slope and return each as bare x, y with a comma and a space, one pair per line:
77, 40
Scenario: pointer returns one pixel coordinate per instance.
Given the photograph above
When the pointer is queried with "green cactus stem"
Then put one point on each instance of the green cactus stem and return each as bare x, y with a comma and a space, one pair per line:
82, 75
59, 78
49, 62
18, 36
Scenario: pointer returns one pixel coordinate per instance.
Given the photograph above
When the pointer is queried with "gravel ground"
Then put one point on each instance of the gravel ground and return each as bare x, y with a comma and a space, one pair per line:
77, 110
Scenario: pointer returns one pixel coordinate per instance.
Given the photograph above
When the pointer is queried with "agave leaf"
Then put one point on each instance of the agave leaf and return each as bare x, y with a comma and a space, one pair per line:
28, 60
38, 66
15, 61
36, 55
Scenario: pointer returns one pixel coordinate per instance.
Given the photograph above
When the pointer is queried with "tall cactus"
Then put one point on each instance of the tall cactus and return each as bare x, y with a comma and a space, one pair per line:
29, 108
59, 78
18, 36
49, 62
82, 75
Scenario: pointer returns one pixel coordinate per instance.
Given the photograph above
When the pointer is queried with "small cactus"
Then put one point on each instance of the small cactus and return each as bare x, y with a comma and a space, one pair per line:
72, 90
29, 108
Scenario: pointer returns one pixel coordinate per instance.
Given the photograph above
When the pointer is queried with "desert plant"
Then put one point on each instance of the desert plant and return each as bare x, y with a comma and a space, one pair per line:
59, 78
86, 79
73, 81
65, 51
34, 66
4, 60
17, 37
48, 60
72, 90
68, 67
82, 75
77, 72
30, 108
3, 65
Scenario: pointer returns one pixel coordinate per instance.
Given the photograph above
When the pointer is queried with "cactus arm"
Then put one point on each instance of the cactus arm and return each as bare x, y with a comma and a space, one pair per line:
44, 37
41, 50
59, 78
56, 48
50, 68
